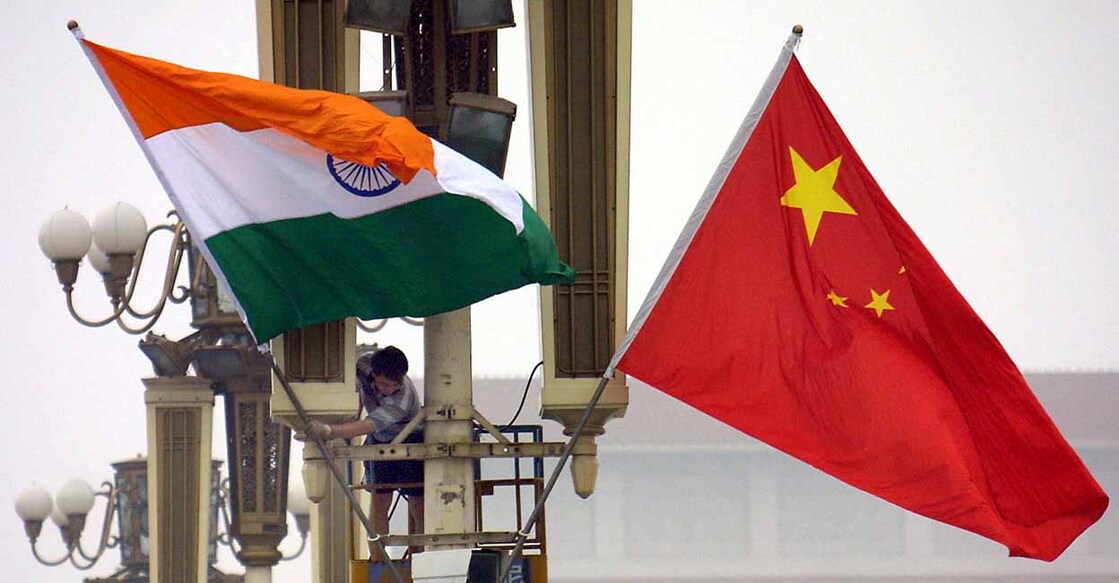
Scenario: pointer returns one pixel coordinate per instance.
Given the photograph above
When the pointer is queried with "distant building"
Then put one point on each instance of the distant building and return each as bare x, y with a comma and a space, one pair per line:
681, 497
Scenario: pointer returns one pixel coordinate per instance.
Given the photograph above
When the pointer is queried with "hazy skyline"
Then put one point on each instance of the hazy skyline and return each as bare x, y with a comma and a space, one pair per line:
990, 126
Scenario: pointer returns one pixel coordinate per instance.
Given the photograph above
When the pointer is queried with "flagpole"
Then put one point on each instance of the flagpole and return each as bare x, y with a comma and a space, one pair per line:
708, 197
523, 534
697, 217
79, 36
371, 533
716, 183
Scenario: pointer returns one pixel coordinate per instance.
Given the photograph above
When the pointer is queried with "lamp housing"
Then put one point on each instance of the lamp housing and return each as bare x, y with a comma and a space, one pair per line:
120, 229
65, 236
394, 103
220, 363
386, 16
99, 261
479, 127
168, 358
480, 15
33, 506
75, 497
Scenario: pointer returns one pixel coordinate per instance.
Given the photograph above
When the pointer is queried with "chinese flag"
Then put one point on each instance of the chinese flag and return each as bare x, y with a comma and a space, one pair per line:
799, 308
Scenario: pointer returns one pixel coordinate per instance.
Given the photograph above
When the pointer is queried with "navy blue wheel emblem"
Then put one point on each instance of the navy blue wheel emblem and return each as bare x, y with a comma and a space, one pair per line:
360, 179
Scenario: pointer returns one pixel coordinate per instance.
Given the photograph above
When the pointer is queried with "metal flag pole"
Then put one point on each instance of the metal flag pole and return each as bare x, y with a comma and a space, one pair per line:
523, 534
371, 533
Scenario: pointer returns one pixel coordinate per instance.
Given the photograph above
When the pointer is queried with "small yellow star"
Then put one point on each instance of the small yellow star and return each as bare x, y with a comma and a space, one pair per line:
901, 270
879, 303
837, 299
814, 193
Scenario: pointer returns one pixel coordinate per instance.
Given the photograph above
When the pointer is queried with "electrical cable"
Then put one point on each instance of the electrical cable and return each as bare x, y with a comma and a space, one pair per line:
524, 395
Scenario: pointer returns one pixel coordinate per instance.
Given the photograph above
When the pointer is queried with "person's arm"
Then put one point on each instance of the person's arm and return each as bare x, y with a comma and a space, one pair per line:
346, 430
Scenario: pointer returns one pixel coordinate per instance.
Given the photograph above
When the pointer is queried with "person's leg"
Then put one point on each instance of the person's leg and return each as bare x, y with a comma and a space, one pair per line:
379, 513
416, 518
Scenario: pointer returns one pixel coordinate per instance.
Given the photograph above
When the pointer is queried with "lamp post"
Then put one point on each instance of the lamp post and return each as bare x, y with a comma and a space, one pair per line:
126, 501
446, 71
179, 403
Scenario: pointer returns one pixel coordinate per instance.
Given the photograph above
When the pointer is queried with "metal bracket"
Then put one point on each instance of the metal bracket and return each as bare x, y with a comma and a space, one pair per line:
464, 538
421, 451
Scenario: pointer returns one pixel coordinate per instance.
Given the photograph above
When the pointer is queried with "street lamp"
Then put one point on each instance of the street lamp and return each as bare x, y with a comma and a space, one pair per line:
179, 404
394, 16
126, 500
115, 246
68, 510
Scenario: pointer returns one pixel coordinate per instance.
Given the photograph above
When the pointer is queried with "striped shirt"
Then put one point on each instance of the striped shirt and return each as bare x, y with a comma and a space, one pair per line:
390, 413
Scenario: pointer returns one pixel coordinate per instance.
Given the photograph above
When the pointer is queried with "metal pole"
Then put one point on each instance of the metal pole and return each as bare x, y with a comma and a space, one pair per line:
373, 536
258, 574
448, 482
524, 532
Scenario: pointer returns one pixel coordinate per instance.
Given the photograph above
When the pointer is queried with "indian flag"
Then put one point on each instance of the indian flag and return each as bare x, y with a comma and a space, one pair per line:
314, 206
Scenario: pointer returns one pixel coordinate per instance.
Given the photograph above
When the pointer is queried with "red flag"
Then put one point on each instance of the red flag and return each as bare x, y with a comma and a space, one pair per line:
799, 308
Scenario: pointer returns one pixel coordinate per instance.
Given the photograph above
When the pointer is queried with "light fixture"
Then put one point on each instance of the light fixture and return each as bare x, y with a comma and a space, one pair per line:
121, 236
479, 127
220, 363
210, 303
33, 506
75, 500
394, 103
100, 262
387, 16
169, 358
126, 502
120, 229
481, 15
64, 238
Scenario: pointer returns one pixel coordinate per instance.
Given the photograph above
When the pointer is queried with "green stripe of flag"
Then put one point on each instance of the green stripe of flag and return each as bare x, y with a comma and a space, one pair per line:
426, 257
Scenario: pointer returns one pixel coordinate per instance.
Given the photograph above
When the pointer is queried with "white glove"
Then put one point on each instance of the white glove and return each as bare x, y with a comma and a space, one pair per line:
318, 430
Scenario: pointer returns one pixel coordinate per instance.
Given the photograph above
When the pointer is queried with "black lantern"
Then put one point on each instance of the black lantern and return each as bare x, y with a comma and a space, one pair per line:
479, 127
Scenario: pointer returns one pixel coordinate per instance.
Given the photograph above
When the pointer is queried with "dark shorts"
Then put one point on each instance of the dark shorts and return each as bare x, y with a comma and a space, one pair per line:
398, 472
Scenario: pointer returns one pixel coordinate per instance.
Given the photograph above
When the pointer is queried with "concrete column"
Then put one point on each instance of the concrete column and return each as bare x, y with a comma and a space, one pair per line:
448, 482
258, 574
330, 516
180, 424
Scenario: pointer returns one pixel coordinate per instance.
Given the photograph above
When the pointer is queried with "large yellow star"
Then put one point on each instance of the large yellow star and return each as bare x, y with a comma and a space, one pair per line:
814, 193
879, 303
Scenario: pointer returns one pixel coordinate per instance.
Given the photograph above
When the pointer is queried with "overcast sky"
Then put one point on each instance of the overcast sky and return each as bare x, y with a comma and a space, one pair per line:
990, 126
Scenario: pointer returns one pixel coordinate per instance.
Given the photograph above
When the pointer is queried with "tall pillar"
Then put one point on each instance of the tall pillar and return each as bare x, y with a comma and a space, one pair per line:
180, 421
448, 482
303, 44
580, 77
330, 514
258, 470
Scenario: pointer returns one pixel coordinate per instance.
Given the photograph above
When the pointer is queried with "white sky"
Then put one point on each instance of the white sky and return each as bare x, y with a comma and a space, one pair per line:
990, 126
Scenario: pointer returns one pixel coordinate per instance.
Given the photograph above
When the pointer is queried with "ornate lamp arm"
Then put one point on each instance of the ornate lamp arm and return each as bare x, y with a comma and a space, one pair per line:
104, 542
302, 545
91, 323
174, 259
377, 325
49, 563
122, 305
224, 537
